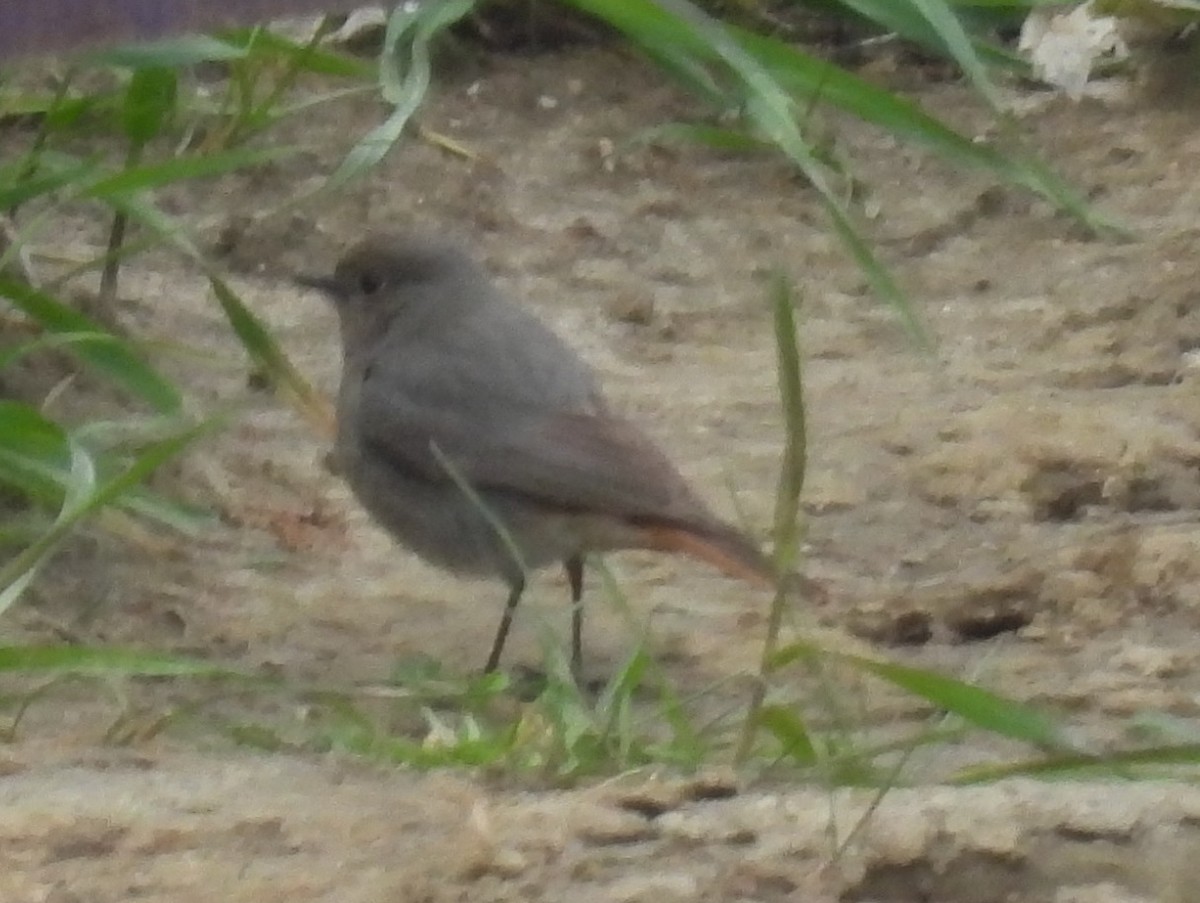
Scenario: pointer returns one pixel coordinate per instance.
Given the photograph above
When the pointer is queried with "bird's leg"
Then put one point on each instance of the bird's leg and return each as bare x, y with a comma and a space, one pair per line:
575, 578
514, 596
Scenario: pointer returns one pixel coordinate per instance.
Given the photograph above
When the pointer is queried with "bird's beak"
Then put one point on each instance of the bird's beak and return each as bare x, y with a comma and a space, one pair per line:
326, 284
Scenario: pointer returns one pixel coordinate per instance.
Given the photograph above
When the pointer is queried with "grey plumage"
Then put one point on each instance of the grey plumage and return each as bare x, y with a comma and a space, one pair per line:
435, 355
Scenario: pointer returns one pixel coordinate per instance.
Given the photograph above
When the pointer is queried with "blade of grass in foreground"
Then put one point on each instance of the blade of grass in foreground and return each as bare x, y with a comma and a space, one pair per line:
908, 22
949, 30
254, 336
980, 707
83, 498
91, 660
687, 29
34, 456
35, 460
806, 76
19, 571
975, 705
1074, 764
117, 360
53, 171
795, 740
271, 359
685, 747
170, 52
788, 529
10, 356
147, 176
261, 40
403, 86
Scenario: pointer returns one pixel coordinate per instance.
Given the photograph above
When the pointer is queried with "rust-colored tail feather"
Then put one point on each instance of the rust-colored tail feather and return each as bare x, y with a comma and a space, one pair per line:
725, 549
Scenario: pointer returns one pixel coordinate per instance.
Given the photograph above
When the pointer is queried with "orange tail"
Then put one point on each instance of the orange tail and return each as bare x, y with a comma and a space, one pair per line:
725, 549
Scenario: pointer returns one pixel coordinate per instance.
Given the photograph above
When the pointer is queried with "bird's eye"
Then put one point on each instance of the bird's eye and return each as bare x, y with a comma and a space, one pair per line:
369, 283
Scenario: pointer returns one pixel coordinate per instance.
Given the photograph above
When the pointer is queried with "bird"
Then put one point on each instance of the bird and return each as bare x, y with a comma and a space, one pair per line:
482, 442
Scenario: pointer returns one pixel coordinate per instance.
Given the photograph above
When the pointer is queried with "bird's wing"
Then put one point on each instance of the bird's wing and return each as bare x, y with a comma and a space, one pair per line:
569, 454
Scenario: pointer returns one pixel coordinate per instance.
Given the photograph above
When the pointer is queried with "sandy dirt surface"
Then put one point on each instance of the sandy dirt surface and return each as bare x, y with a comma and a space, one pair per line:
1017, 508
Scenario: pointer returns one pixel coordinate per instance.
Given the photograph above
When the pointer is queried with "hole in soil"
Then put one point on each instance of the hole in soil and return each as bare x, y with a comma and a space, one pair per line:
975, 628
1149, 494
912, 628
1060, 493
901, 628
969, 878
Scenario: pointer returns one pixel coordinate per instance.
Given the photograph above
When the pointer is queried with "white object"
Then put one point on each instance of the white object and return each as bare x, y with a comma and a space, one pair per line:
1064, 46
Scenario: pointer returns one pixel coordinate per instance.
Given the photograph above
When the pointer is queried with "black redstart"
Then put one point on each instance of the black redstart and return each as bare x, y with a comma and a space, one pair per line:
466, 427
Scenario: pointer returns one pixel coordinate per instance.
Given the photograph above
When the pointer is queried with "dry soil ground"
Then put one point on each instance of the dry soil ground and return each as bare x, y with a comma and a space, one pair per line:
1019, 508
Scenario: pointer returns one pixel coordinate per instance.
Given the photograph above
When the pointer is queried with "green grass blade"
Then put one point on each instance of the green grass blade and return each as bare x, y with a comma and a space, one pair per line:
973, 704
255, 338
909, 23
170, 53
808, 77
682, 25
84, 498
157, 175
54, 172
789, 729
35, 460
265, 43
10, 356
170, 231
150, 101
17, 573
792, 468
794, 465
1076, 764
402, 86
189, 520
511, 548
691, 71
35, 457
271, 359
953, 37
118, 361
